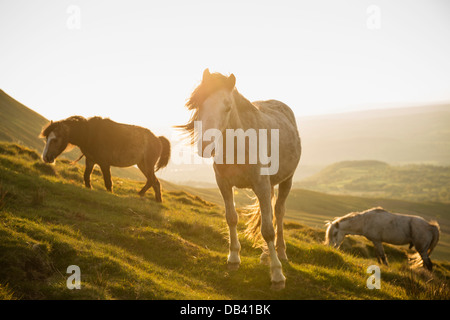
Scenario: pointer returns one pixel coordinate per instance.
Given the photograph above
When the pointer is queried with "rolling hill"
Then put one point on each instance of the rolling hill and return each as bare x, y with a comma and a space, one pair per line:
129, 247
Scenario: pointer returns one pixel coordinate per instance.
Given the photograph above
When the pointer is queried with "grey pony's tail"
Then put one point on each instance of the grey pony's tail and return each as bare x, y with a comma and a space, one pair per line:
436, 231
165, 153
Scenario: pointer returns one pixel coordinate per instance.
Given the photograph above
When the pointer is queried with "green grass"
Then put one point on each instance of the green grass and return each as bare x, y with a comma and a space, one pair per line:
129, 247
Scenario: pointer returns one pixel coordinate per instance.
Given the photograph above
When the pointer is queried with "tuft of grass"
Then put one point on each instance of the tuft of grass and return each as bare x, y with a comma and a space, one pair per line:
44, 168
38, 197
3, 195
6, 293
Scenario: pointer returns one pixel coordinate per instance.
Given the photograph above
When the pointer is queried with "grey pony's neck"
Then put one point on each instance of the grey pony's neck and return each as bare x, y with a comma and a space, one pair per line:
244, 114
352, 226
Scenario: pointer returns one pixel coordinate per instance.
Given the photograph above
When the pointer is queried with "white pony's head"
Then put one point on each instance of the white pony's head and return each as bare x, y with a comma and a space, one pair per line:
334, 235
212, 102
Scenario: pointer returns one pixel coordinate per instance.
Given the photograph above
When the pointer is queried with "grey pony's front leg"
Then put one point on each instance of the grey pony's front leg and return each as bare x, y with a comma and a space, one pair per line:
226, 190
381, 256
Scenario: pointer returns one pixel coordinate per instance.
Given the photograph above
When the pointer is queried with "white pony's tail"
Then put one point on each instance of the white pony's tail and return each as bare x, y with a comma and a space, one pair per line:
436, 231
253, 230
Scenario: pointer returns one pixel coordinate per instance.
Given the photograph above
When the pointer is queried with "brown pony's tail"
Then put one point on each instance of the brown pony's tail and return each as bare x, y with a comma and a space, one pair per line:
165, 153
436, 230
253, 230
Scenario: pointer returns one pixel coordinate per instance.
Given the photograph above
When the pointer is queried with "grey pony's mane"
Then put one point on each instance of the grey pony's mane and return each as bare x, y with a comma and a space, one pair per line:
353, 215
201, 93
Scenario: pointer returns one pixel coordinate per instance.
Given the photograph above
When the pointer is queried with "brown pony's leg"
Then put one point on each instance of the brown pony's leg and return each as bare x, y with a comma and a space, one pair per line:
87, 172
157, 189
106, 170
152, 181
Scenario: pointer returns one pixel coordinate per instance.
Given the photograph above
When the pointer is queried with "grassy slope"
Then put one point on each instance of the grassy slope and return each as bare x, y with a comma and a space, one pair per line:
19, 123
134, 248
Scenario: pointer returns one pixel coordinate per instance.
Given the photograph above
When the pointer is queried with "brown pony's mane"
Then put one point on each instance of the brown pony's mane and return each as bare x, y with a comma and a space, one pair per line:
215, 82
53, 125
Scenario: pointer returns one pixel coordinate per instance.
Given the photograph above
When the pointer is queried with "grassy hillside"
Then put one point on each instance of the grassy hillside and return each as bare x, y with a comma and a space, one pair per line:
19, 123
129, 247
378, 179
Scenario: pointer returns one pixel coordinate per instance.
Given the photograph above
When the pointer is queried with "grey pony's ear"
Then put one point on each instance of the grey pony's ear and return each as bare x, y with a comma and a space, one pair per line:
231, 81
206, 74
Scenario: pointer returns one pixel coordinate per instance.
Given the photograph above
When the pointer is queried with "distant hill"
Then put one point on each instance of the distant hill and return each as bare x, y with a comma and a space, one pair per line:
416, 182
395, 136
22, 125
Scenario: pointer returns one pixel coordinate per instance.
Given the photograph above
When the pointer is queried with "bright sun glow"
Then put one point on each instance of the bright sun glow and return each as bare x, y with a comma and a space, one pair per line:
138, 61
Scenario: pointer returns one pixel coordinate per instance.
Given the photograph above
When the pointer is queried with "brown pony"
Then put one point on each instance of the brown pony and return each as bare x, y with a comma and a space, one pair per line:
108, 143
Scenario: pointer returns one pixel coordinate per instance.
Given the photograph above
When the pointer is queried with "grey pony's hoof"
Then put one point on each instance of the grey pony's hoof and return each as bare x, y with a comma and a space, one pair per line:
277, 286
233, 266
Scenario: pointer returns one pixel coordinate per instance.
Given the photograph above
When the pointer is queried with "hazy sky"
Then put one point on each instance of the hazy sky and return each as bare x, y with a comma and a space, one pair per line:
138, 61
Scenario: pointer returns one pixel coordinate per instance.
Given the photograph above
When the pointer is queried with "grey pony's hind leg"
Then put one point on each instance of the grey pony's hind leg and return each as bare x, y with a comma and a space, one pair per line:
423, 251
283, 191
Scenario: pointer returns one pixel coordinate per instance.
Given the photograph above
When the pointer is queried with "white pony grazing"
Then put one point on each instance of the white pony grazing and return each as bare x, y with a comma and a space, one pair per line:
379, 226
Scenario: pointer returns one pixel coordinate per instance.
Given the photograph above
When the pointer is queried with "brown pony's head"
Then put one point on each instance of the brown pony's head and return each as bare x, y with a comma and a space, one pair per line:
211, 103
57, 137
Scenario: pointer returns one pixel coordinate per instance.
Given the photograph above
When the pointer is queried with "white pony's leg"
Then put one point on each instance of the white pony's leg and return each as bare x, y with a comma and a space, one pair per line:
234, 259
263, 192
283, 191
